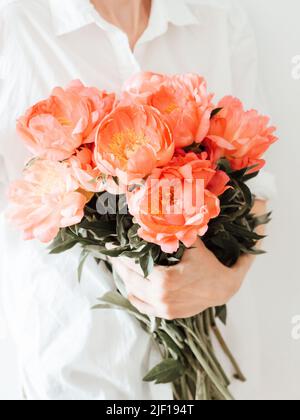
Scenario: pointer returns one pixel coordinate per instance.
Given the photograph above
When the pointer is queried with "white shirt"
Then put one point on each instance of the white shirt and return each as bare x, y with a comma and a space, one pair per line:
68, 351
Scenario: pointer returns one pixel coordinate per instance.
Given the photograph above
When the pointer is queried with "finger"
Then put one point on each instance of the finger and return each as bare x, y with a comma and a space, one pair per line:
124, 272
141, 306
140, 290
129, 275
156, 274
135, 284
132, 265
183, 312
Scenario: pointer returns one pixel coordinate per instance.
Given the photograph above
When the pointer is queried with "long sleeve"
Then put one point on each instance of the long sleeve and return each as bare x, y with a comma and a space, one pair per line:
13, 102
246, 84
3, 183
12, 153
3, 174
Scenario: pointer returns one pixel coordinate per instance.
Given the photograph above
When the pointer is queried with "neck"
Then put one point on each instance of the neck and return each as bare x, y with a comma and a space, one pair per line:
131, 16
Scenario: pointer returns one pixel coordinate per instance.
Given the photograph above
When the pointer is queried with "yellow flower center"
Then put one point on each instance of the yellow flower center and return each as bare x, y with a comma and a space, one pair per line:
126, 143
64, 122
172, 107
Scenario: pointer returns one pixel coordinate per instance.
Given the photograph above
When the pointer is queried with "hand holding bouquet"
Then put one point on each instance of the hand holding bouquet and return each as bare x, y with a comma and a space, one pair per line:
144, 176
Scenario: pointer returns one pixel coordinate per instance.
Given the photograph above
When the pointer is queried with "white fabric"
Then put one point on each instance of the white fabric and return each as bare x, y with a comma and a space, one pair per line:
68, 351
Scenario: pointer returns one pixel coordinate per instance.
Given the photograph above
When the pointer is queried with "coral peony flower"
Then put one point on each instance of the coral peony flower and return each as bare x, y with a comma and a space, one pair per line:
101, 104
131, 142
54, 128
141, 86
242, 137
45, 200
85, 171
178, 201
88, 175
182, 99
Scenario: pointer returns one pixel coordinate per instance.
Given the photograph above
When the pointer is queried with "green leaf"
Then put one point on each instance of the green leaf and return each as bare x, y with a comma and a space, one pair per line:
225, 247
133, 232
101, 229
108, 266
225, 165
248, 196
262, 220
60, 238
116, 252
215, 112
64, 246
121, 230
147, 264
170, 344
252, 251
221, 313
248, 177
166, 372
120, 285
239, 174
134, 239
116, 180
179, 254
133, 254
83, 258
114, 300
174, 332
155, 252
243, 232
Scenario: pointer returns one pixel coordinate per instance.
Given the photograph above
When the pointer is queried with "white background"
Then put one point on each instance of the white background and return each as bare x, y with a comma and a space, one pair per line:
277, 275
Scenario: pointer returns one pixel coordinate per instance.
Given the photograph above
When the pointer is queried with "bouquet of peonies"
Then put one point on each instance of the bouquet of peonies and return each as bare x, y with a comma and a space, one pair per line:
144, 175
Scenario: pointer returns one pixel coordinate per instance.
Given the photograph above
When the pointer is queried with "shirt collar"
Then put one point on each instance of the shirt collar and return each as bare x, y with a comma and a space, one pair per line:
165, 12
71, 15
177, 12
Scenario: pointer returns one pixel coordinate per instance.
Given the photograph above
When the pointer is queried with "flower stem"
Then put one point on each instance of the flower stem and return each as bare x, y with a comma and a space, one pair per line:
239, 374
213, 377
207, 329
207, 354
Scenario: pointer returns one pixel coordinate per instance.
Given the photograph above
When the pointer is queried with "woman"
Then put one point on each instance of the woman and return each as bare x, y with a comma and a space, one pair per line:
68, 351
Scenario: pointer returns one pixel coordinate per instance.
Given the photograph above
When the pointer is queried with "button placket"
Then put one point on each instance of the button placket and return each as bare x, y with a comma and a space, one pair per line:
128, 63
